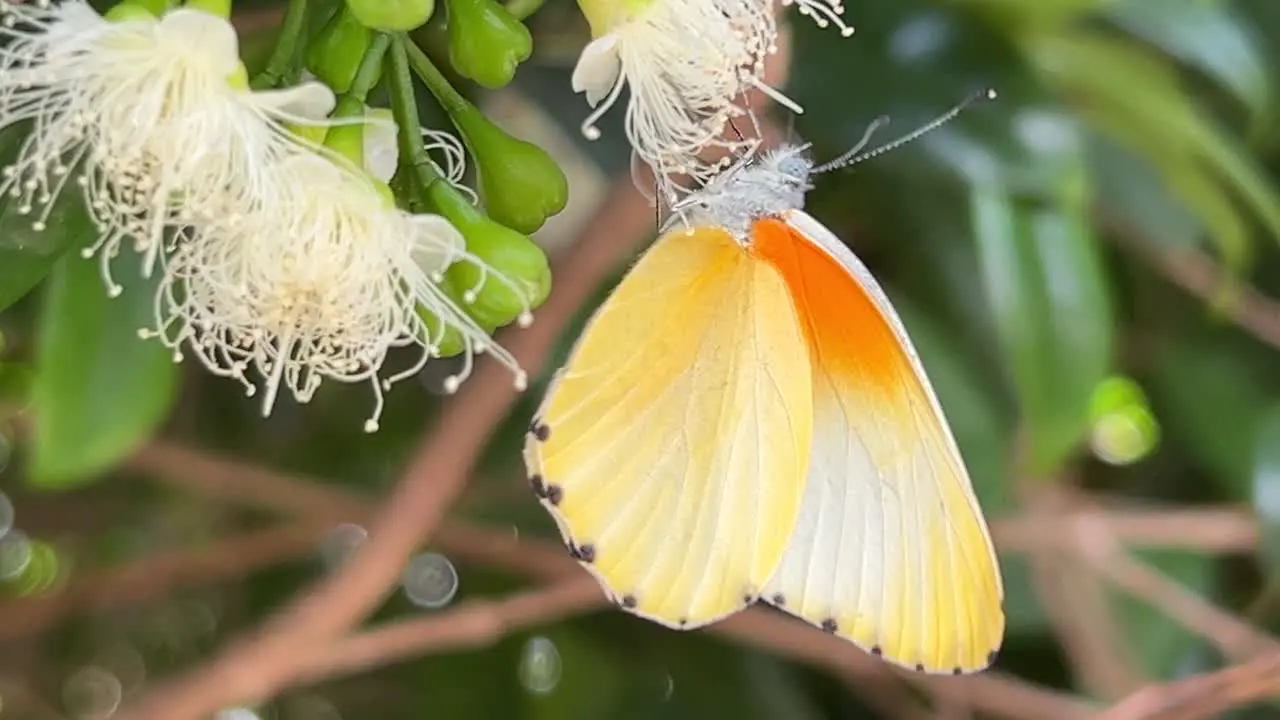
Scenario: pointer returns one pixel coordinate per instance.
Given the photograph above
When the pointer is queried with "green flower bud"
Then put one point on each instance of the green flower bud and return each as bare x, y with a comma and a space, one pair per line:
220, 8
520, 185
335, 53
447, 340
604, 15
393, 15
347, 141
486, 42
444, 345
490, 301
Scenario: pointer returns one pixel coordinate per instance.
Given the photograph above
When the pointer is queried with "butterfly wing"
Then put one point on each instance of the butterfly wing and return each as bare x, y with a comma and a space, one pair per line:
672, 446
890, 550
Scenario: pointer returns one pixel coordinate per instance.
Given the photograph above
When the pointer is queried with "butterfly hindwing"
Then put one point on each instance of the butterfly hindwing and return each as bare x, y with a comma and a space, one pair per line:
890, 550
672, 446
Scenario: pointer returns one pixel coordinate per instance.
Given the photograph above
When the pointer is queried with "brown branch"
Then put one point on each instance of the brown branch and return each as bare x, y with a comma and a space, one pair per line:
1203, 696
1236, 638
989, 691
1076, 602
148, 577
1196, 272
473, 624
1209, 530
253, 667
1225, 529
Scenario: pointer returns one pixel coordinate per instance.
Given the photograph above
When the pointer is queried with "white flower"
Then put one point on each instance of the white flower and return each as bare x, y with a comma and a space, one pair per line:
687, 63
321, 285
153, 117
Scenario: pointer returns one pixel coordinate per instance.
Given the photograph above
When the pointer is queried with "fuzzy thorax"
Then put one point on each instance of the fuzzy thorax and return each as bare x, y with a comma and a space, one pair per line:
766, 185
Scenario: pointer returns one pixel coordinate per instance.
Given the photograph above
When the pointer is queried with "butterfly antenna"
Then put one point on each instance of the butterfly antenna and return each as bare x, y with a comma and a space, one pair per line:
855, 156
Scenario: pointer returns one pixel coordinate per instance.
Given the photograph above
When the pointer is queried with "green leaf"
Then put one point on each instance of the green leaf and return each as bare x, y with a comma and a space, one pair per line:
100, 390
1206, 36
1158, 641
1212, 397
26, 254
1266, 484
1048, 292
1136, 97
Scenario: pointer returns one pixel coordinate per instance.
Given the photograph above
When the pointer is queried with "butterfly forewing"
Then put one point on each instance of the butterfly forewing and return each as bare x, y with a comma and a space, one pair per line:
672, 447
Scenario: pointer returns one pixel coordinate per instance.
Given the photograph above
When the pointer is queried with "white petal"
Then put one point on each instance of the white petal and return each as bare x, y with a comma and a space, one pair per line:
308, 101
437, 243
381, 152
598, 68
213, 36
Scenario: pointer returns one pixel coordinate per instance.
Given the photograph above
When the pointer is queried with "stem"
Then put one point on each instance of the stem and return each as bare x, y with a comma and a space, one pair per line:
348, 139
450, 99
282, 56
367, 76
404, 107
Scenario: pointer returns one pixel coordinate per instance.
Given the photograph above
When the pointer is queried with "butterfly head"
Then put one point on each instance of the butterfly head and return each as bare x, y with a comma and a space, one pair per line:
758, 186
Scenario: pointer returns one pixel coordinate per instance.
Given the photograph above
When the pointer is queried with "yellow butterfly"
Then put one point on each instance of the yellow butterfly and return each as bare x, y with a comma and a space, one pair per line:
746, 419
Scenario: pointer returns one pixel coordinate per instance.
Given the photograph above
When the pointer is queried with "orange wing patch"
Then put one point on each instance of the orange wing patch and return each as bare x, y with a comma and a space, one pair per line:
890, 550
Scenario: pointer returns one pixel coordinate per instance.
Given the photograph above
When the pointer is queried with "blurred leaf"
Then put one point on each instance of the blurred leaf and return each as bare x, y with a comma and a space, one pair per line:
1136, 97
100, 390
1160, 642
1045, 281
1171, 205
1212, 398
26, 254
1266, 484
1205, 35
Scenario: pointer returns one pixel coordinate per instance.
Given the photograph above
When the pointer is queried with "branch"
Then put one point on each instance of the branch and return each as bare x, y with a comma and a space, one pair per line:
1236, 638
158, 574
472, 624
1075, 599
254, 667
1197, 273
989, 691
1202, 696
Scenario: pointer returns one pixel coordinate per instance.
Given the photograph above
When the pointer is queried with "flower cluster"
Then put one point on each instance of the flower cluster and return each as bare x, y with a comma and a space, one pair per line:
688, 65
282, 262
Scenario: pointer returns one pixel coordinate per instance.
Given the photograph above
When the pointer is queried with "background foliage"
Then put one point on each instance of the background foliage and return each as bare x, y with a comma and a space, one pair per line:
1083, 264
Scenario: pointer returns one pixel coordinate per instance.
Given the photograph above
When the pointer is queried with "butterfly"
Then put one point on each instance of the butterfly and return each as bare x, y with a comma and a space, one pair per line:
745, 419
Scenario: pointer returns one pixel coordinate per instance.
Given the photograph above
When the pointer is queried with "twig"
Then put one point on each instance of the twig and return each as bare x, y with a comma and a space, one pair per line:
254, 667
1236, 638
1203, 696
990, 691
147, 577
1224, 529
1206, 529
1197, 273
473, 624
1077, 603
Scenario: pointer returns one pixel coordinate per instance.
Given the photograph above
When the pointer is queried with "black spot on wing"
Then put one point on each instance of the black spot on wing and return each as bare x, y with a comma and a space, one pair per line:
540, 430
829, 625
554, 494
585, 552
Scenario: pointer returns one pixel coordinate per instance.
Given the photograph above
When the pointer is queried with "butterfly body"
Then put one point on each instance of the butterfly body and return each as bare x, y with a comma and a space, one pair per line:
745, 419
